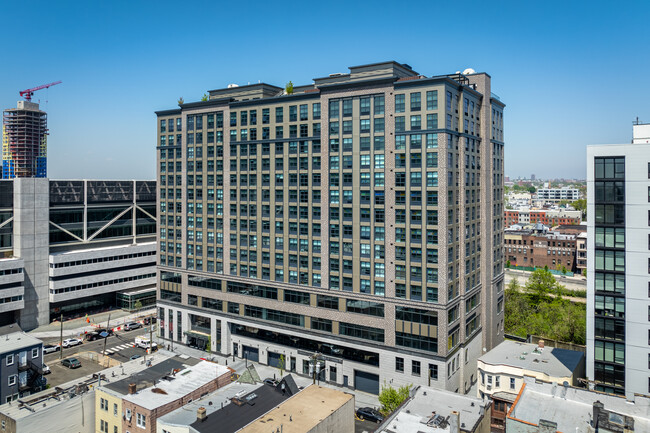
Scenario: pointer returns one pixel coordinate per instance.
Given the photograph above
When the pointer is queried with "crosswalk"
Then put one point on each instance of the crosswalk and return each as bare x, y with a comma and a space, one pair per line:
118, 348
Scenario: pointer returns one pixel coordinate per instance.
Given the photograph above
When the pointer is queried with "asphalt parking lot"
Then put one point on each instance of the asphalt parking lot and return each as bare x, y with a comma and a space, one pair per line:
364, 426
118, 347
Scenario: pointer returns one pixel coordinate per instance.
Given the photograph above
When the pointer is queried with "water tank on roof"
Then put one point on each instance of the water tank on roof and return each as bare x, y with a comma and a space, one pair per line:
231, 86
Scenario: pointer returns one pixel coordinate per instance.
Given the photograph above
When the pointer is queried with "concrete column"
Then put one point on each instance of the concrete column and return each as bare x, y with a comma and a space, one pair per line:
31, 243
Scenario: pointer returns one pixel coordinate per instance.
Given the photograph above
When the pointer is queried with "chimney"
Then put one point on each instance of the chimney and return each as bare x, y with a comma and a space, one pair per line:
201, 414
131, 388
540, 344
598, 406
454, 422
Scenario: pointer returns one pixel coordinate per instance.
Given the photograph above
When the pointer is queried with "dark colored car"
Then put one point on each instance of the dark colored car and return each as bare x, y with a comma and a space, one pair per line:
135, 357
71, 363
149, 320
108, 331
370, 414
132, 325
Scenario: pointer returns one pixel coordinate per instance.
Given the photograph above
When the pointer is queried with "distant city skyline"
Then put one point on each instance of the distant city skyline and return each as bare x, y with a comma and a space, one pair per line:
120, 62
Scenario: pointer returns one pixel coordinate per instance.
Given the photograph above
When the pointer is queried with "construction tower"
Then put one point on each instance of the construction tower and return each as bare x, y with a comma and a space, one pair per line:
24, 141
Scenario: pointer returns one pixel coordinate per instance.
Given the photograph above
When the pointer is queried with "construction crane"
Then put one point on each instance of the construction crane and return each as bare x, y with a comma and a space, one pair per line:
29, 92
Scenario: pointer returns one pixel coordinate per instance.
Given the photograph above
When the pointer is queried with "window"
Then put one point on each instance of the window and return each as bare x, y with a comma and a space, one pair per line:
433, 371
512, 383
103, 404
12, 380
115, 409
415, 101
141, 421
400, 105
399, 365
10, 359
415, 368
35, 352
103, 426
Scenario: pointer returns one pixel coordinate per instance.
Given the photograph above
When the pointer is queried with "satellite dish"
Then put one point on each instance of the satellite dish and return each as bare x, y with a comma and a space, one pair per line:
469, 71
230, 86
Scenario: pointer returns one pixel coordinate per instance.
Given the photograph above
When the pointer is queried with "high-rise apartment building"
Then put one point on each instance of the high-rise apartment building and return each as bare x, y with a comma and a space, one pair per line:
618, 265
355, 223
24, 141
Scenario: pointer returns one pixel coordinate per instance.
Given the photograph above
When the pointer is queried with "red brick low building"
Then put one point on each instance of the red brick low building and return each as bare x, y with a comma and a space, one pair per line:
539, 248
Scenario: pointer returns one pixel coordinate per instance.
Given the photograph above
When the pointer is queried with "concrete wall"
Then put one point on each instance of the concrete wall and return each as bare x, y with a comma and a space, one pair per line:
31, 243
340, 421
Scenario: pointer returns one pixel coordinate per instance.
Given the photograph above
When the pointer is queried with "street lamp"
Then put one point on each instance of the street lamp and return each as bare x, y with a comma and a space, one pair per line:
316, 365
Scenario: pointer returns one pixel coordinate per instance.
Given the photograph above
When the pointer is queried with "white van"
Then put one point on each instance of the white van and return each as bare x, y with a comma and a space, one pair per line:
143, 342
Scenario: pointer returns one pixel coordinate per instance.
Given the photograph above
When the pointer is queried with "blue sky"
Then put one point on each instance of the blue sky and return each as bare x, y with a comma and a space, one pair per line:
570, 73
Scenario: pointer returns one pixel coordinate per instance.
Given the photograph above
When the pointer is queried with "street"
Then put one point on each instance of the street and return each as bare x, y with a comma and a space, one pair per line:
118, 347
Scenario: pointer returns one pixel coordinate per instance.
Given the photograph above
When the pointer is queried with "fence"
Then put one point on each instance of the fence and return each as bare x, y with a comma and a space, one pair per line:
532, 269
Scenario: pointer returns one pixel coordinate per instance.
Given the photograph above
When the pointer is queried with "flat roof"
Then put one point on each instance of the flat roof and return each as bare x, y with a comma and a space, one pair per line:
572, 408
233, 417
12, 341
429, 409
186, 415
145, 377
172, 388
552, 361
111, 247
302, 412
44, 400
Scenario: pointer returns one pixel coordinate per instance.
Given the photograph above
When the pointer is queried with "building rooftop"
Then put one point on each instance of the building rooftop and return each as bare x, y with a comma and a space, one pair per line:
430, 410
551, 361
50, 398
573, 408
172, 387
302, 412
233, 416
146, 377
108, 248
12, 341
212, 403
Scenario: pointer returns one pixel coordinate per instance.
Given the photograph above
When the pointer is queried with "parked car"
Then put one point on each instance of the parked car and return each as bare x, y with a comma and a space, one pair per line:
96, 334
71, 363
72, 342
149, 320
271, 382
49, 348
370, 414
135, 357
46, 369
108, 331
132, 325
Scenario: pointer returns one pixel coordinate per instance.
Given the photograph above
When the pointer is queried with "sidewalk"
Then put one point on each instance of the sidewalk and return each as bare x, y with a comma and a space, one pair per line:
361, 399
77, 327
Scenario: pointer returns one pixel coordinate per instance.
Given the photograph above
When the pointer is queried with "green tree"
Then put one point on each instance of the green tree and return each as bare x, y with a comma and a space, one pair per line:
581, 205
137, 305
391, 398
181, 101
289, 88
281, 365
531, 189
540, 285
507, 263
204, 98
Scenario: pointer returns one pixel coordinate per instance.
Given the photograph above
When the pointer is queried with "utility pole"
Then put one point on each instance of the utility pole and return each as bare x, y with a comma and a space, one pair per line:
61, 339
106, 338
